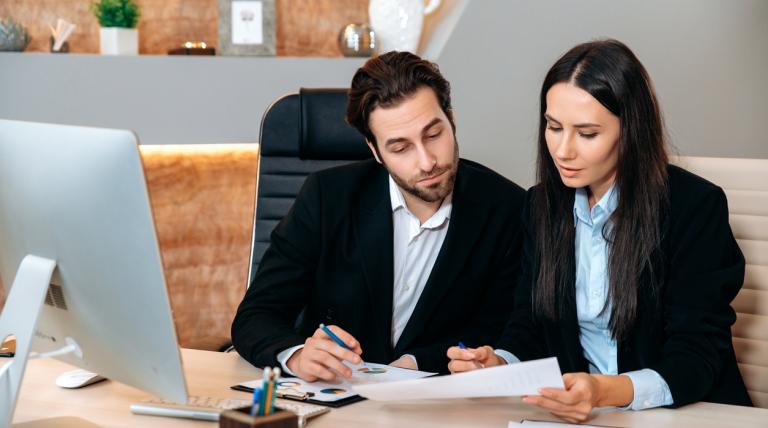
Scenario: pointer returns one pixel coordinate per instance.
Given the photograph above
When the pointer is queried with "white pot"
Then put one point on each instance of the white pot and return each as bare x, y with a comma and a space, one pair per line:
119, 41
398, 23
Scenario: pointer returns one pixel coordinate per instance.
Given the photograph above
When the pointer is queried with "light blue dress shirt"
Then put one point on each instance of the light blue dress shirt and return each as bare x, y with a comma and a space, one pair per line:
593, 308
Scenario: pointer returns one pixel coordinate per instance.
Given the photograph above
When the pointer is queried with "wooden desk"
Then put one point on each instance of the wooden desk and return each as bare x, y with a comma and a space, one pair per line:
210, 373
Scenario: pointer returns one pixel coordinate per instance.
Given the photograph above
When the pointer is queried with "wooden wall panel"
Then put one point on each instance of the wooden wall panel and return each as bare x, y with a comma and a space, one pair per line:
311, 27
203, 202
167, 24
36, 15
304, 27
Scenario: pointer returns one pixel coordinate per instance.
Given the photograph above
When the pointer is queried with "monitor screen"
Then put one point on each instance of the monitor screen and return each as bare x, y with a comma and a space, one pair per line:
78, 196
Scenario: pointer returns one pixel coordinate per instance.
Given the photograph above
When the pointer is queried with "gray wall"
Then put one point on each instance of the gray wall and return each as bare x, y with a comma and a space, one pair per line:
708, 59
164, 99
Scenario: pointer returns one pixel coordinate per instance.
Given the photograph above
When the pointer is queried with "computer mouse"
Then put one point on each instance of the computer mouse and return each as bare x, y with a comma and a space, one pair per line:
78, 379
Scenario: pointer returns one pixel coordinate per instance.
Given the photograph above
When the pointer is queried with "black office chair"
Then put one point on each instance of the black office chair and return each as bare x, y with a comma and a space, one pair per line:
300, 134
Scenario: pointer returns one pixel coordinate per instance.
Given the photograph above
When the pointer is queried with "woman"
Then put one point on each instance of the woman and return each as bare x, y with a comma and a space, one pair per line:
629, 265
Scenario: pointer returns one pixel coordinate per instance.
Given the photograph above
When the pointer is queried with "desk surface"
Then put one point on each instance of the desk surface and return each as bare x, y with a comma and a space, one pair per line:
211, 374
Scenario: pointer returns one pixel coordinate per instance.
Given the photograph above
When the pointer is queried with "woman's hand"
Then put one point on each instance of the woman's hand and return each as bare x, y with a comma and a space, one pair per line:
582, 393
463, 360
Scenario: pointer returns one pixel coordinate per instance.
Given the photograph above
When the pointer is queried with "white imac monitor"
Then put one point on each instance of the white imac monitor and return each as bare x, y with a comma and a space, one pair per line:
78, 243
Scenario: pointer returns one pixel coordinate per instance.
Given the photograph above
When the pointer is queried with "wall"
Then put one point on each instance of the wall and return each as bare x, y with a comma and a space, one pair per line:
707, 58
164, 99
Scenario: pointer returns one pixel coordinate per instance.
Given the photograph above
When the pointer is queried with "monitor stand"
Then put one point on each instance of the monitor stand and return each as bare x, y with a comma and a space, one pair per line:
19, 318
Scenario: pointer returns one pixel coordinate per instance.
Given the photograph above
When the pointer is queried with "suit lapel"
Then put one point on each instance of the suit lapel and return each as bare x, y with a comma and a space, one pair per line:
463, 231
373, 228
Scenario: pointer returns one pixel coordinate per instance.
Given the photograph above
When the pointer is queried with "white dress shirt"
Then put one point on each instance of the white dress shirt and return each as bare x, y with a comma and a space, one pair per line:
415, 249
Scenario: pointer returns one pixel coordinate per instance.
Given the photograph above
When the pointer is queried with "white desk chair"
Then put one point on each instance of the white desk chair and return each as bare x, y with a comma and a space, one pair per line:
745, 182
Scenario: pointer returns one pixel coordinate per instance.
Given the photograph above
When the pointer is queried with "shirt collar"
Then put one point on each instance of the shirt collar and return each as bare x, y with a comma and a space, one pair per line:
440, 217
605, 206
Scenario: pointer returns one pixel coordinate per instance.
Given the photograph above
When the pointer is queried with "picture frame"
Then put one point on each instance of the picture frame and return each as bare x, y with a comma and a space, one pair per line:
246, 27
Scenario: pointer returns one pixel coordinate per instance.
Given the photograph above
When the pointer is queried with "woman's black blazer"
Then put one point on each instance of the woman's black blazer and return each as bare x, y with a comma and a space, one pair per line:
683, 331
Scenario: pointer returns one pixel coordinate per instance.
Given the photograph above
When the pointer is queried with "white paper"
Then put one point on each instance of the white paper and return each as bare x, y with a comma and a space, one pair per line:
364, 374
509, 380
247, 23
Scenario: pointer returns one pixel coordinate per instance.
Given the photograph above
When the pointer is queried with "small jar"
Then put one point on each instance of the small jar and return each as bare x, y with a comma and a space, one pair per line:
357, 40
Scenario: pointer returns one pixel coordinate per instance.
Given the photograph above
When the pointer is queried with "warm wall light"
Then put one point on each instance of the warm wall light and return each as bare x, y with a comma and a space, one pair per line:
197, 148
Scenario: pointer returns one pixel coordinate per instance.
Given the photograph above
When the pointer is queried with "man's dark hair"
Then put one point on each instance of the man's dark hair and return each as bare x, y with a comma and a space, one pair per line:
387, 80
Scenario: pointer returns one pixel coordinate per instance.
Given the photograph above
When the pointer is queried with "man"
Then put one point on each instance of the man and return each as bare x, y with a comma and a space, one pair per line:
402, 256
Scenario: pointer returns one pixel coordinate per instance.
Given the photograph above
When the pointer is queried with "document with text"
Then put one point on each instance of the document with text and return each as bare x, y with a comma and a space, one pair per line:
509, 380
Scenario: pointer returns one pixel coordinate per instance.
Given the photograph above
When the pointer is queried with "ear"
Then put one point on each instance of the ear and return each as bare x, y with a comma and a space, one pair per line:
373, 150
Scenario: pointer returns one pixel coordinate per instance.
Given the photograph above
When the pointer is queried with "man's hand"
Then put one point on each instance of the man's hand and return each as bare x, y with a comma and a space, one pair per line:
321, 357
463, 360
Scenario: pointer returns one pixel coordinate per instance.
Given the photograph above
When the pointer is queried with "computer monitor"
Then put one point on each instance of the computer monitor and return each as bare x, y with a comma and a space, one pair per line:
77, 197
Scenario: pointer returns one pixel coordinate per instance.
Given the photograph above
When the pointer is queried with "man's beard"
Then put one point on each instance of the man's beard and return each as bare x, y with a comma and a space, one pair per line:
435, 192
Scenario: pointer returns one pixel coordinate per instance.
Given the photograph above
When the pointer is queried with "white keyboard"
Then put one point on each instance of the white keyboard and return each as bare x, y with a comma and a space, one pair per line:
209, 408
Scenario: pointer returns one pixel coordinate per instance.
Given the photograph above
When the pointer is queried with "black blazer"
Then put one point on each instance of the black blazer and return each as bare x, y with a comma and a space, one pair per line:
331, 256
684, 334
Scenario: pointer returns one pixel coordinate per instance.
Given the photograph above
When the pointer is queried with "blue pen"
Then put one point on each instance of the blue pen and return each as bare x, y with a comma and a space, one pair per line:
334, 337
462, 345
337, 340
256, 401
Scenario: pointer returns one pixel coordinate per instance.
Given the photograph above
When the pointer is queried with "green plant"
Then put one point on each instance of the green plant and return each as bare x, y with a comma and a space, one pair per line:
116, 13
13, 36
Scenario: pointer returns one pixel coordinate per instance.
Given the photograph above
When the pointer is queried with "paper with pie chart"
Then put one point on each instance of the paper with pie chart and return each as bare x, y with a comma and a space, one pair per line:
363, 374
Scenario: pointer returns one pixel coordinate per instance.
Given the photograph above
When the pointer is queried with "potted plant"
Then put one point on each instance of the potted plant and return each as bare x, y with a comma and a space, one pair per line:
118, 34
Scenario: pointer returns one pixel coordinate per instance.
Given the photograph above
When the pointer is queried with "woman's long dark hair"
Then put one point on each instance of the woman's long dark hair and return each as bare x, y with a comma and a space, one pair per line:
611, 73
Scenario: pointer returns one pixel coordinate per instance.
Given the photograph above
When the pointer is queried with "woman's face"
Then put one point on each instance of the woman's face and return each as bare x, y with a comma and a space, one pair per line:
582, 138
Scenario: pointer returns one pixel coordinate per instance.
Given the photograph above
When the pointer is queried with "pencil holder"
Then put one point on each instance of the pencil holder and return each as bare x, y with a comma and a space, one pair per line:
241, 418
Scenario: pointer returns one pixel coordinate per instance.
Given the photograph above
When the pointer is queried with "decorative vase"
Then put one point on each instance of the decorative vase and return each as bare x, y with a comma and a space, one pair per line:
357, 40
119, 41
13, 36
398, 22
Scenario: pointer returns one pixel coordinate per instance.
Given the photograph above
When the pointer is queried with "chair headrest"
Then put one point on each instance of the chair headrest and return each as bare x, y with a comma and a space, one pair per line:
324, 133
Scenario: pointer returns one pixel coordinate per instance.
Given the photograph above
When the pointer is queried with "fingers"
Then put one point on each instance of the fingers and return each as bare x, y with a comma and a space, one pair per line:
576, 411
345, 337
456, 353
331, 362
458, 366
332, 348
329, 355
560, 395
546, 403
316, 371
569, 379
483, 353
321, 357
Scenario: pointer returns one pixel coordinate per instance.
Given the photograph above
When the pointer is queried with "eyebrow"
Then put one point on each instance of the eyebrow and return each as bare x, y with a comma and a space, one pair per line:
578, 125
426, 127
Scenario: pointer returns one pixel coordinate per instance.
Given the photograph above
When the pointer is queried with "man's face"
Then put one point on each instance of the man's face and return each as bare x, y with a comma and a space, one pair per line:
417, 145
